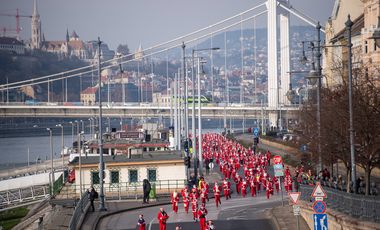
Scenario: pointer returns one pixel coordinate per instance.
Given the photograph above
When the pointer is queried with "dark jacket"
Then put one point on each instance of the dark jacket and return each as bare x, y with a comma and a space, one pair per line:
146, 186
192, 180
92, 194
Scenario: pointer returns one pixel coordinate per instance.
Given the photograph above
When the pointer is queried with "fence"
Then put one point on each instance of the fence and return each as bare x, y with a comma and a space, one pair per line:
125, 190
354, 205
78, 211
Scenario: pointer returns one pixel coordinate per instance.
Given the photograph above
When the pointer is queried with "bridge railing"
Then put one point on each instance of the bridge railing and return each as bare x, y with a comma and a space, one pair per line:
125, 190
354, 205
78, 211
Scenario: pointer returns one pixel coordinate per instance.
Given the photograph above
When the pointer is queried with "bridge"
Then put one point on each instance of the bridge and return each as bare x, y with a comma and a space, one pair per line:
247, 112
276, 88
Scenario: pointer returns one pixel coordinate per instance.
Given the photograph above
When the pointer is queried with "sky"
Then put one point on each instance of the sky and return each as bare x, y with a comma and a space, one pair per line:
149, 22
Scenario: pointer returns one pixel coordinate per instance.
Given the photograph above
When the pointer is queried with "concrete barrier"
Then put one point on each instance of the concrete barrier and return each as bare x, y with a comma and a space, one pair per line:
336, 220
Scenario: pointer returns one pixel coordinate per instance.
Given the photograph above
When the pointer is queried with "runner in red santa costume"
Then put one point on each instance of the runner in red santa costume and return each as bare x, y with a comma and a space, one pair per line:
186, 200
162, 217
237, 180
253, 184
269, 188
194, 205
276, 183
203, 196
244, 186
206, 186
226, 187
290, 183
217, 189
175, 200
202, 213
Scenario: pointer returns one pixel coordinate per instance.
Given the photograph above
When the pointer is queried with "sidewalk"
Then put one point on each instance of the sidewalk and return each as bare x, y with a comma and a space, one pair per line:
284, 218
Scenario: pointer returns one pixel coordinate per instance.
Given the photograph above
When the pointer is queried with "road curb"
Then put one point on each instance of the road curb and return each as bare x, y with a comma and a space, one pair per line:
124, 210
275, 219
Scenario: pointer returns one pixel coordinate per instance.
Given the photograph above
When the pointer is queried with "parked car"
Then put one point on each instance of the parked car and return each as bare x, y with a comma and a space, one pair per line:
286, 136
69, 104
145, 104
77, 103
282, 132
129, 104
32, 102
52, 103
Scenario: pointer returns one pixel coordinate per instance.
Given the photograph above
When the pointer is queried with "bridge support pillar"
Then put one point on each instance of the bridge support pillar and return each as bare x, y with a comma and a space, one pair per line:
273, 119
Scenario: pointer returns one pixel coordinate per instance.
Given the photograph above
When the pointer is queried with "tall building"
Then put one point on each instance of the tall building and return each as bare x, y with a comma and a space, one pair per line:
36, 28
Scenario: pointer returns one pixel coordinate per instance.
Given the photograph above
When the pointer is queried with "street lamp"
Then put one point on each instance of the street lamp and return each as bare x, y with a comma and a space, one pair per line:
290, 94
101, 168
303, 58
76, 121
80, 163
109, 125
51, 156
63, 152
72, 134
120, 75
199, 117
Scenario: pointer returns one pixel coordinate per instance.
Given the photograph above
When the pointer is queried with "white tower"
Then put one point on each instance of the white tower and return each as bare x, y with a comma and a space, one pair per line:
36, 28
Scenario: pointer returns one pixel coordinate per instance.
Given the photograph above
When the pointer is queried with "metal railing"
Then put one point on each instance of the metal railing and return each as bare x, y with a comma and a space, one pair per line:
354, 205
124, 190
78, 211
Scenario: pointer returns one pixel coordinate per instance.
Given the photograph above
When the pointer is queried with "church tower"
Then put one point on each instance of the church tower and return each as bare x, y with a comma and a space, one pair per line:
36, 28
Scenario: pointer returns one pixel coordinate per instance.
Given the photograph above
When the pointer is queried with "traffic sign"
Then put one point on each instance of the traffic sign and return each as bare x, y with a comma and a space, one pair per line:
319, 207
294, 196
277, 160
318, 191
296, 210
305, 148
255, 134
211, 165
278, 170
320, 222
255, 130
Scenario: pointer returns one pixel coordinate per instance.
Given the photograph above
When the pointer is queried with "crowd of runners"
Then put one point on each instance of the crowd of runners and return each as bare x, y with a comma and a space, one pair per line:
231, 158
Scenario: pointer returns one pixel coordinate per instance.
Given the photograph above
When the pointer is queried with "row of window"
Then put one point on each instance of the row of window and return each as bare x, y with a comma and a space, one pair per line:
366, 46
133, 176
12, 47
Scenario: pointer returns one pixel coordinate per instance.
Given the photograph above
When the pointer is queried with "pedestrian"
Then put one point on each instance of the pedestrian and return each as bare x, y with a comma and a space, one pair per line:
295, 180
340, 179
217, 189
146, 188
360, 179
210, 225
186, 199
175, 200
192, 180
194, 204
226, 187
162, 217
202, 213
92, 195
141, 222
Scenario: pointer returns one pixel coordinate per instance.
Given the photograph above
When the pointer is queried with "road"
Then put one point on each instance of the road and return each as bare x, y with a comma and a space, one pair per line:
236, 213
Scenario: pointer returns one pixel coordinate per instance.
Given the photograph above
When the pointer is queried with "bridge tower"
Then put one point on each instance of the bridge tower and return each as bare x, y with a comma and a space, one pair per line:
276, 93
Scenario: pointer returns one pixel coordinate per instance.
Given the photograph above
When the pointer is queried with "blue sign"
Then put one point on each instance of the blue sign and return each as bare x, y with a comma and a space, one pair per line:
319, 207
217, 128
320, 222
255, 134
255, 130
305, 148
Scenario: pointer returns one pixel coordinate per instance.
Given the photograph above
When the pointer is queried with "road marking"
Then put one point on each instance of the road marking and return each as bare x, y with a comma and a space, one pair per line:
150, 223
237, 218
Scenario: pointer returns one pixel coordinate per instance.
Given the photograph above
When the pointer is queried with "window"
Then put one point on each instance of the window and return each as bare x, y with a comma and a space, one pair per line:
365, 47
374, 45
152, 176
375, 72
95, 177
114, 177
133, 176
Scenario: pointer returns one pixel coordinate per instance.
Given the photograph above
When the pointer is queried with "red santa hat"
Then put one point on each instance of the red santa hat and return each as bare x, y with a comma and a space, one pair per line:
178, 227
141, 215
202, 206
225, 178
216, 182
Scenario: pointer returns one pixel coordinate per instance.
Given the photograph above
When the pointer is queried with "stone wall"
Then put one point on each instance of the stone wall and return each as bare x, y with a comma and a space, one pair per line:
336, 220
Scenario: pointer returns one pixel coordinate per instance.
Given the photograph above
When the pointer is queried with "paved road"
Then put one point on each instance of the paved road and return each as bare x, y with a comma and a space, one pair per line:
235, 213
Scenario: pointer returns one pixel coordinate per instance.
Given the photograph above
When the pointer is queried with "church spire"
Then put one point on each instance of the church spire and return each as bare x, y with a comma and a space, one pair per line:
67, 35
35, 13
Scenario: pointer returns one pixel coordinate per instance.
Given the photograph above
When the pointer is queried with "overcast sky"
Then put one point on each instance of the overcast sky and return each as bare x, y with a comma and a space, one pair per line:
149, 22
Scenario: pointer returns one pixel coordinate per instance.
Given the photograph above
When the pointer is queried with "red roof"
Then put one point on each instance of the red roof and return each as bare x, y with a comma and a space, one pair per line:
90, 90
6, 40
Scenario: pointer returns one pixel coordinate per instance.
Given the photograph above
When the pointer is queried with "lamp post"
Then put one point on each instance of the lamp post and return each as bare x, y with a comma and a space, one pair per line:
101, 169
63, 152
72, 134
51, 156
120, 75
193, 112
109, 125
80, 164
82, 125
